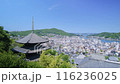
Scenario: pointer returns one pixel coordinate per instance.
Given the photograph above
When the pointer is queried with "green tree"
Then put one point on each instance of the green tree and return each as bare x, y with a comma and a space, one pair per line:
5, 41
65, 58
106, 57
65, 65
10, 60
51, 61
33, 64
51, 52
44, 60
72, 61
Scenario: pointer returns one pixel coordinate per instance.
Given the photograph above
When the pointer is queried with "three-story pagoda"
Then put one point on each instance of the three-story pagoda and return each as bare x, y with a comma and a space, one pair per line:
33, 45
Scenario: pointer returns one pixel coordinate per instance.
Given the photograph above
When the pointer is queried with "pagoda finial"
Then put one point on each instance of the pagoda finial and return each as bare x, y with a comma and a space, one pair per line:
32, 24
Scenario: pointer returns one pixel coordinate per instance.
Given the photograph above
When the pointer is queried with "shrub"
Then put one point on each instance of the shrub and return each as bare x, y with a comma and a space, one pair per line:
106, 57
119, 59
72, 61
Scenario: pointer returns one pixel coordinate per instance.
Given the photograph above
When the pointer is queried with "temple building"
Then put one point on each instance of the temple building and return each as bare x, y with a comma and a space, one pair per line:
33, 45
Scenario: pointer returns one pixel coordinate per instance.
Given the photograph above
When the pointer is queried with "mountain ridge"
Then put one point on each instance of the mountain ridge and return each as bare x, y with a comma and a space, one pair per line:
42, 32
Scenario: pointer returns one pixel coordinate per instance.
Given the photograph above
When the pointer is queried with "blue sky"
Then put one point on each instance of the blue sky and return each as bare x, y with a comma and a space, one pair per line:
75, 16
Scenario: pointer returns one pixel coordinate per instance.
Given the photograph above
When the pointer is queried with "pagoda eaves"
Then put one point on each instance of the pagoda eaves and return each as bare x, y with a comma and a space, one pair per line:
32, 39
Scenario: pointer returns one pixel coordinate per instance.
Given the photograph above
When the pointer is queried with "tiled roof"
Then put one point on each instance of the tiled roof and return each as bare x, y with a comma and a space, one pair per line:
32, 38
89, 62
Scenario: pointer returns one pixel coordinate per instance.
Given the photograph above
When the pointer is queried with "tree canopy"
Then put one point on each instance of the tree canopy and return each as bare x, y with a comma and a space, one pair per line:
54, 61
5, 41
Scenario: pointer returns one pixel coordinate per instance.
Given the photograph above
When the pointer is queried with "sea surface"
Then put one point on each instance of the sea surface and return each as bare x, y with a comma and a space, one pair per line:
108, 41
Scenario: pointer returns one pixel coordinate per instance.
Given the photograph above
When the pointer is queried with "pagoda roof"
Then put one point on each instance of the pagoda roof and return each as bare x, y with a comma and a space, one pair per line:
25, 51
32, 38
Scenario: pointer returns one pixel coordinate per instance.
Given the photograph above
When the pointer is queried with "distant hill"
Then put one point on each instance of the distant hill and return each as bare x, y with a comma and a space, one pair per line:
42, 32
108, 35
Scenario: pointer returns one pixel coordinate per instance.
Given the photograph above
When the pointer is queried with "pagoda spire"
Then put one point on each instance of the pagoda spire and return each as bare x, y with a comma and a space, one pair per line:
32, 24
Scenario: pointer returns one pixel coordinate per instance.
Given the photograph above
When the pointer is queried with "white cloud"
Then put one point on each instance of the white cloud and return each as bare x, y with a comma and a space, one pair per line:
52, 7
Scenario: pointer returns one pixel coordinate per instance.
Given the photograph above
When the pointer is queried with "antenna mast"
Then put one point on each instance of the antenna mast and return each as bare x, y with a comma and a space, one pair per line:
32, 24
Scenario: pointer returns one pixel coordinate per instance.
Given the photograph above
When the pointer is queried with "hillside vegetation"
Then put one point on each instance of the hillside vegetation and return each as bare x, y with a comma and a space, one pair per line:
108, 35
42, 32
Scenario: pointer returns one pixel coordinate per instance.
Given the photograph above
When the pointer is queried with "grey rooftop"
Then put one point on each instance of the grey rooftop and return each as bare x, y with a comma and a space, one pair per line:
112, 58
89, 62
32, 38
